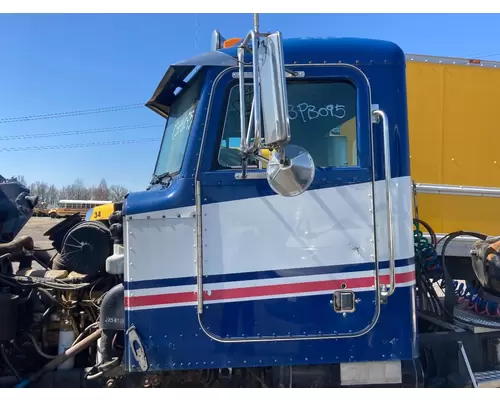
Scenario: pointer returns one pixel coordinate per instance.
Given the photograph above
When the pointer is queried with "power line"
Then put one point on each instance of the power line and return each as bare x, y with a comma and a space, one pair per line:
473, 54
481, 55
79, 132
70, 113
489, 55
197, 28
79, 145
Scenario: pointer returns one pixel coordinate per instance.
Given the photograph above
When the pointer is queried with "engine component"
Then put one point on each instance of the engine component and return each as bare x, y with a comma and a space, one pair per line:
40, 273
57, 233
486, 263
112, 309
16, 246
43, 257
116, 227
20, 249
66, 339
8, 316
115, 263
85, 248
6, 264
61, 358
16, 208
112, 323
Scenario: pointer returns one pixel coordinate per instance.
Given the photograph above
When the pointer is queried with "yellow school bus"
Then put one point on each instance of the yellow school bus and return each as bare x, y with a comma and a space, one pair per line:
65, 208
41, 210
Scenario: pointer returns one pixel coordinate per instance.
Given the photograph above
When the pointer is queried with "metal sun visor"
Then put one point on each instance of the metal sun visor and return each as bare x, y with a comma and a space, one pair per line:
175, 77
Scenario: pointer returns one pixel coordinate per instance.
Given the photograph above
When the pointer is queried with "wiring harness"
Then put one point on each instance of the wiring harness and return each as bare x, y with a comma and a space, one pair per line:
432, 274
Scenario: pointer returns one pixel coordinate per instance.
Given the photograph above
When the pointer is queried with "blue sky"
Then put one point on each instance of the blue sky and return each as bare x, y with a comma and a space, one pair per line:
64, 62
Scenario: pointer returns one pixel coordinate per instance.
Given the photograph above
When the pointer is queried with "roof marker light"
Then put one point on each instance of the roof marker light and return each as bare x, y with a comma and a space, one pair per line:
231, 42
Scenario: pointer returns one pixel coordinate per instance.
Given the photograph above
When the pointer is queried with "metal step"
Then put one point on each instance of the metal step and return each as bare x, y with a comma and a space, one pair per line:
488, 379
472, 320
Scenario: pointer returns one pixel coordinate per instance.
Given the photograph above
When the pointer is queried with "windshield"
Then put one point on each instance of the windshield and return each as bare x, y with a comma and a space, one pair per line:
179, 125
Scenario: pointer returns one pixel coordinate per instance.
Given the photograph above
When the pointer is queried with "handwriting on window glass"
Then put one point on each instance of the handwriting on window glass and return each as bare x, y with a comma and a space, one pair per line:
308, 112
183, 123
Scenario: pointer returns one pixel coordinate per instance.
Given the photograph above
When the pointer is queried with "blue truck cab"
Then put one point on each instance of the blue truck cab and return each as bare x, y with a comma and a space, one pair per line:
221, 272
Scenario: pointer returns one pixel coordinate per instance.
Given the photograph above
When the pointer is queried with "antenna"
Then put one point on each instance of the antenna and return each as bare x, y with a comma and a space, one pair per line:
256, 22
196, 31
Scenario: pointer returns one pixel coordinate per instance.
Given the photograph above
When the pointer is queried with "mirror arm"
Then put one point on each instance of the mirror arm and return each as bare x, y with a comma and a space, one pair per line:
256, 112
251, 126
244, 167
290, 169
243, 128
260, 158
256, 95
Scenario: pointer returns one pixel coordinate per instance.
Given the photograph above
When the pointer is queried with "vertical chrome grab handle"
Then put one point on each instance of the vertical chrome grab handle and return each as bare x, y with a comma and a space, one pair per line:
382, 116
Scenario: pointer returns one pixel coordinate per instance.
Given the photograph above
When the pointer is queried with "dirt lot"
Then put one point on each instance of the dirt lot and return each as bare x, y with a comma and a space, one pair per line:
35, 228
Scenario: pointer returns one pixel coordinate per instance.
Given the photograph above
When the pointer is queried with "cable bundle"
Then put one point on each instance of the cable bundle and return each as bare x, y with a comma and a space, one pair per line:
430, 268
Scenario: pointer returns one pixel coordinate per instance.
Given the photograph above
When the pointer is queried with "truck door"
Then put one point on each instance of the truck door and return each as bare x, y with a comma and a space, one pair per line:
304, 267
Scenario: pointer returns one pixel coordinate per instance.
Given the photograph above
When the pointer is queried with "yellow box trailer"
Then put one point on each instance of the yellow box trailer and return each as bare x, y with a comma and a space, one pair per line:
454, 126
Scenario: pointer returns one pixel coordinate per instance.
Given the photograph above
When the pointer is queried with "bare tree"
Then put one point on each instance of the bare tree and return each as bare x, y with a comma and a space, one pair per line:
117, 192
64, 193
39, 189
101, 191
21, 180
52, 195
77, 191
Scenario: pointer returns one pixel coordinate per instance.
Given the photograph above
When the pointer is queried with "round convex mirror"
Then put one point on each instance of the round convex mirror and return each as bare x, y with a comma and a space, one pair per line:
290, 172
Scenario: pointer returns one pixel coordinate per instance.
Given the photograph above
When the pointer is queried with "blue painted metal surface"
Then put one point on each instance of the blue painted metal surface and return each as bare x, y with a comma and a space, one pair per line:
88, 214
384, 65
175, 339
246, 276
177, 342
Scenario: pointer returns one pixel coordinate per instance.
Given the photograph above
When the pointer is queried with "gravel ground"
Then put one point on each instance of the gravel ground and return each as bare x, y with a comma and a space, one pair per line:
35, 228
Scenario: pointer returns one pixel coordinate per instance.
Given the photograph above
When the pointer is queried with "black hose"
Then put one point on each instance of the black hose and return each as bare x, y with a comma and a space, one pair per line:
16, 347
45, 315
449, 300
47, 295
11, 283
8, 363
40, 261
429, 289
449, 305
454, 235
97, 375
38, 348
432, 234
427, 286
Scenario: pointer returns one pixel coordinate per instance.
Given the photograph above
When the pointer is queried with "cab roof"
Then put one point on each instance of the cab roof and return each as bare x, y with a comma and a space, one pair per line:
355, 51
336, 49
